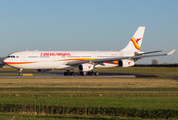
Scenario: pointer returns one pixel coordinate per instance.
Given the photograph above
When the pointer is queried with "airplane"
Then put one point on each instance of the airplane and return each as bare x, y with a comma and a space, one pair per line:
84, 61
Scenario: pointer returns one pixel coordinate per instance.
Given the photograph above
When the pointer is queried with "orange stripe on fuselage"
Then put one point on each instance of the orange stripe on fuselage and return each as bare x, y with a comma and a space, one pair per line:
18, 63
22, 63
73, 59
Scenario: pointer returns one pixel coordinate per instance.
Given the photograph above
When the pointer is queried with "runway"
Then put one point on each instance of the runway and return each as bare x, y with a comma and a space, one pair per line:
122, 76
60, 75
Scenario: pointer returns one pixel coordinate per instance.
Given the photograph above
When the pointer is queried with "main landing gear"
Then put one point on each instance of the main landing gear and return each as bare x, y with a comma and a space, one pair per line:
20, 72
91, 73
68, 73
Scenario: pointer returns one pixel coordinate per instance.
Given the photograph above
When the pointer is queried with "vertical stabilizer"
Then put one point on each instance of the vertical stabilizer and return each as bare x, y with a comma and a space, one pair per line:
135, 41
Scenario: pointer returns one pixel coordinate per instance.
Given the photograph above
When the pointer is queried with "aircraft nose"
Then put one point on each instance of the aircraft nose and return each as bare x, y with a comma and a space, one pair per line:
5, 60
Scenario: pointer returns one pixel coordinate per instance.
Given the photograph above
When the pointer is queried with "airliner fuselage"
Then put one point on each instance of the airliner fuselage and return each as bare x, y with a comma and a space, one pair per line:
58, 59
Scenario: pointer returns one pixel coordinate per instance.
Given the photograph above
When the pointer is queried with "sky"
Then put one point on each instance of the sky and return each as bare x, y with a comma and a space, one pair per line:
88, 25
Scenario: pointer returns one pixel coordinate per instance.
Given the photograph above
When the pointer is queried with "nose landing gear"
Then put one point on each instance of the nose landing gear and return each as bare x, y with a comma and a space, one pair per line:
20, 72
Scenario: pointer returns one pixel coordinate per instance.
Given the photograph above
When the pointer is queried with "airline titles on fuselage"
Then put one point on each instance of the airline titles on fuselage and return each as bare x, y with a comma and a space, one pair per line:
55, 54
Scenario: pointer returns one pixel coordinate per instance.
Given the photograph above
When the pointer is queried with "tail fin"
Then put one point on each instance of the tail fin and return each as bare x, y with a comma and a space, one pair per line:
136, 41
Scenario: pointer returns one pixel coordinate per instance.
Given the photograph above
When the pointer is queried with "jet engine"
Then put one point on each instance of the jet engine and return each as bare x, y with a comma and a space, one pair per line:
43, 70
126, 63
86, 67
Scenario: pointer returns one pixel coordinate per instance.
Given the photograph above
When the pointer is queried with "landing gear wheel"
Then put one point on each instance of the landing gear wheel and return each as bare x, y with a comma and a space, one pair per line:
97, 73
67, 73
20, 74
72, 73
82, 73
89, 73
93, 73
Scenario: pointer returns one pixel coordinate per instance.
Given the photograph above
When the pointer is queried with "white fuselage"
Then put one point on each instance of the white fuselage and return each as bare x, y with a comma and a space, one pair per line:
59, 59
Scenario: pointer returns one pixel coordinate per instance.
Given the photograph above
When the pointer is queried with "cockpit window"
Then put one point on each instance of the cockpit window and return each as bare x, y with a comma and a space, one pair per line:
11, 56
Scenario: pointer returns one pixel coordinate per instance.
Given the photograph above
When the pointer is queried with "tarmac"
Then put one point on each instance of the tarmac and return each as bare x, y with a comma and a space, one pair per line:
60, 75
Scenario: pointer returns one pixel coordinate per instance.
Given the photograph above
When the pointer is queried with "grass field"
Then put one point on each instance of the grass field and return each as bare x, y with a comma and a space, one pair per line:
89, 82
10, 116
150, 93
126, 102
143, 93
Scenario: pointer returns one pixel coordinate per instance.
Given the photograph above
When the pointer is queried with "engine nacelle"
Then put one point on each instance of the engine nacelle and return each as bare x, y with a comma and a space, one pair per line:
86, 67
126, 63
43, 70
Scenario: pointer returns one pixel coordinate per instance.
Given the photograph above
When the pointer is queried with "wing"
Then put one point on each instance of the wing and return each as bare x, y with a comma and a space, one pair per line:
149, 52
97, 61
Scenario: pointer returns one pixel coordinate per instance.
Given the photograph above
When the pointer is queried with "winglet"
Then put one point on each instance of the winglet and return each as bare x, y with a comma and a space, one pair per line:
170, 53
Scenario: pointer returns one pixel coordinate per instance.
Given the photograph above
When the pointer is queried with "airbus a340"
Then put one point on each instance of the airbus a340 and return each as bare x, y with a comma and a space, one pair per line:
84, 61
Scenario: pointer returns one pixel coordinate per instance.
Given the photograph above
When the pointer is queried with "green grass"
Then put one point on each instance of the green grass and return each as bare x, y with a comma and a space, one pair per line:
11, 116
88, 92
88, 82
126, 102
147, 93
143, 93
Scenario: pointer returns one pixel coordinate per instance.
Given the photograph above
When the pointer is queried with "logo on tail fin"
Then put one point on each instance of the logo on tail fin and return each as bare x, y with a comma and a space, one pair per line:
135, 42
